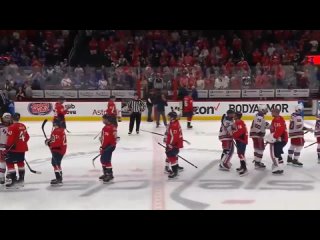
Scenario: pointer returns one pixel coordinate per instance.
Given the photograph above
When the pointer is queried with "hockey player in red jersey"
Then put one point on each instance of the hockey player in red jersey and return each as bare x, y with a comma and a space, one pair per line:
296, 135
5, 123
174, 141
17, 146
277, 139
167, 168
188, 108
112, 110
240, 135
60, 112
226, 138
108, 141
58, 146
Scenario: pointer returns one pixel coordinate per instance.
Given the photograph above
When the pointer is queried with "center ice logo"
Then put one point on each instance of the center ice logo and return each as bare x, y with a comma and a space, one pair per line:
40, 108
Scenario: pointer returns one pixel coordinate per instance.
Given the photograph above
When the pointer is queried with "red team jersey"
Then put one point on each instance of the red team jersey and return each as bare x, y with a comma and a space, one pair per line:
174, 135
279, 129
59, 111
240, 133
58, 141
17, 137
188, 104
108, 136
111, 109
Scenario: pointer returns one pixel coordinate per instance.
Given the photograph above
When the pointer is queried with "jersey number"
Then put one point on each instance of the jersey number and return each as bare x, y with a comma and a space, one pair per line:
21, 136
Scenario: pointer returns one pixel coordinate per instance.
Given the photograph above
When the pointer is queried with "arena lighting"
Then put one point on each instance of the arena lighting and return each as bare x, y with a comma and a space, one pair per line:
314, 59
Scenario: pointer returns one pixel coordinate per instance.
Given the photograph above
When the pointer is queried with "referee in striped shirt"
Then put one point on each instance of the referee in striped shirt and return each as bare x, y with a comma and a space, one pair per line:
136, 106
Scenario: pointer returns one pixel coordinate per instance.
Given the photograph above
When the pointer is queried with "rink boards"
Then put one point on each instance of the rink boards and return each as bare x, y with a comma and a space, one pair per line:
203, 110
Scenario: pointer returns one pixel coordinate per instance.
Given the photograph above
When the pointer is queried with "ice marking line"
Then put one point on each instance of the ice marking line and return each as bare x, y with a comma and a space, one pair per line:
158, 186
239, 201
191, 204
95, 189
254, 182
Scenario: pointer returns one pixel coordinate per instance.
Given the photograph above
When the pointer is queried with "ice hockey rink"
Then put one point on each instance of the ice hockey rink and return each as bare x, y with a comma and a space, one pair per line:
140, 182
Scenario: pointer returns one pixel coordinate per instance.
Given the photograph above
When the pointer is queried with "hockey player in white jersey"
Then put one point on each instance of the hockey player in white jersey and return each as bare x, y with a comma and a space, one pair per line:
257, 133
296, 135
317, 135
226, 138
5, 122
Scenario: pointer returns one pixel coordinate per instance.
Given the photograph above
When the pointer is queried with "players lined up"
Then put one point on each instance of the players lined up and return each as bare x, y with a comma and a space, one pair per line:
233, 134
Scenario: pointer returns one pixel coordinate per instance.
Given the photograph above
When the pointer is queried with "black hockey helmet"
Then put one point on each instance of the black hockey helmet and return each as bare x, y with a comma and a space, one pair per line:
230, 111
56, 122
238, 115
107, 117
16, 117
173, 114
62, 99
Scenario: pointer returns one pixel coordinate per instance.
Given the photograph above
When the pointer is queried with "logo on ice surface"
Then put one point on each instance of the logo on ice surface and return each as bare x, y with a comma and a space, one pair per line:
40, 108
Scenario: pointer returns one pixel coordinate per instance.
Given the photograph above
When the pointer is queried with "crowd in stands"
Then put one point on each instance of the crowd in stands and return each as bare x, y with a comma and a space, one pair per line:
161, 59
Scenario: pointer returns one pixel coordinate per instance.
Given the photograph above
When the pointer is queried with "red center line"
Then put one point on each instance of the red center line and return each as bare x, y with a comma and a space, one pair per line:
158, 182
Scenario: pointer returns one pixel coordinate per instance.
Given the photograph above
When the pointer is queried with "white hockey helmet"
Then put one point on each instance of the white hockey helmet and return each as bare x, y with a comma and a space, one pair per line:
298, 108
263, 108
6, 117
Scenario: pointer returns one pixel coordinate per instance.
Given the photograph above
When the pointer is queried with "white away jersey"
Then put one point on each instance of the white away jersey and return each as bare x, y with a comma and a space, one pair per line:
317, 128
258, 126
3, 136
296, 126
226, 129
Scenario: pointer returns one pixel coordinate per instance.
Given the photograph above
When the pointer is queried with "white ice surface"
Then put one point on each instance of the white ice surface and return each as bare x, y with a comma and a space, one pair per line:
140, 182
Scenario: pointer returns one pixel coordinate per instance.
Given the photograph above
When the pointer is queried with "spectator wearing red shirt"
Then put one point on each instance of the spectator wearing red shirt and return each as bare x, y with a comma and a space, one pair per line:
93, 46
188, 59
222, 41
243, 64
102, 45
236, 43
229, 66
256, 56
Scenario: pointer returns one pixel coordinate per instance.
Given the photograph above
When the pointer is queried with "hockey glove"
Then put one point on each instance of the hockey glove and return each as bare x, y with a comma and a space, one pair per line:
267, 125
269, 138
47, 142
101, 150
3, 154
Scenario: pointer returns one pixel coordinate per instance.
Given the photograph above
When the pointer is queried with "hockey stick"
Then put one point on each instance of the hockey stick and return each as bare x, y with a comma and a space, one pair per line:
31, 170
162, 135
98, 135
310, 145
99, 155
180, 157
42, 127
95, 159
